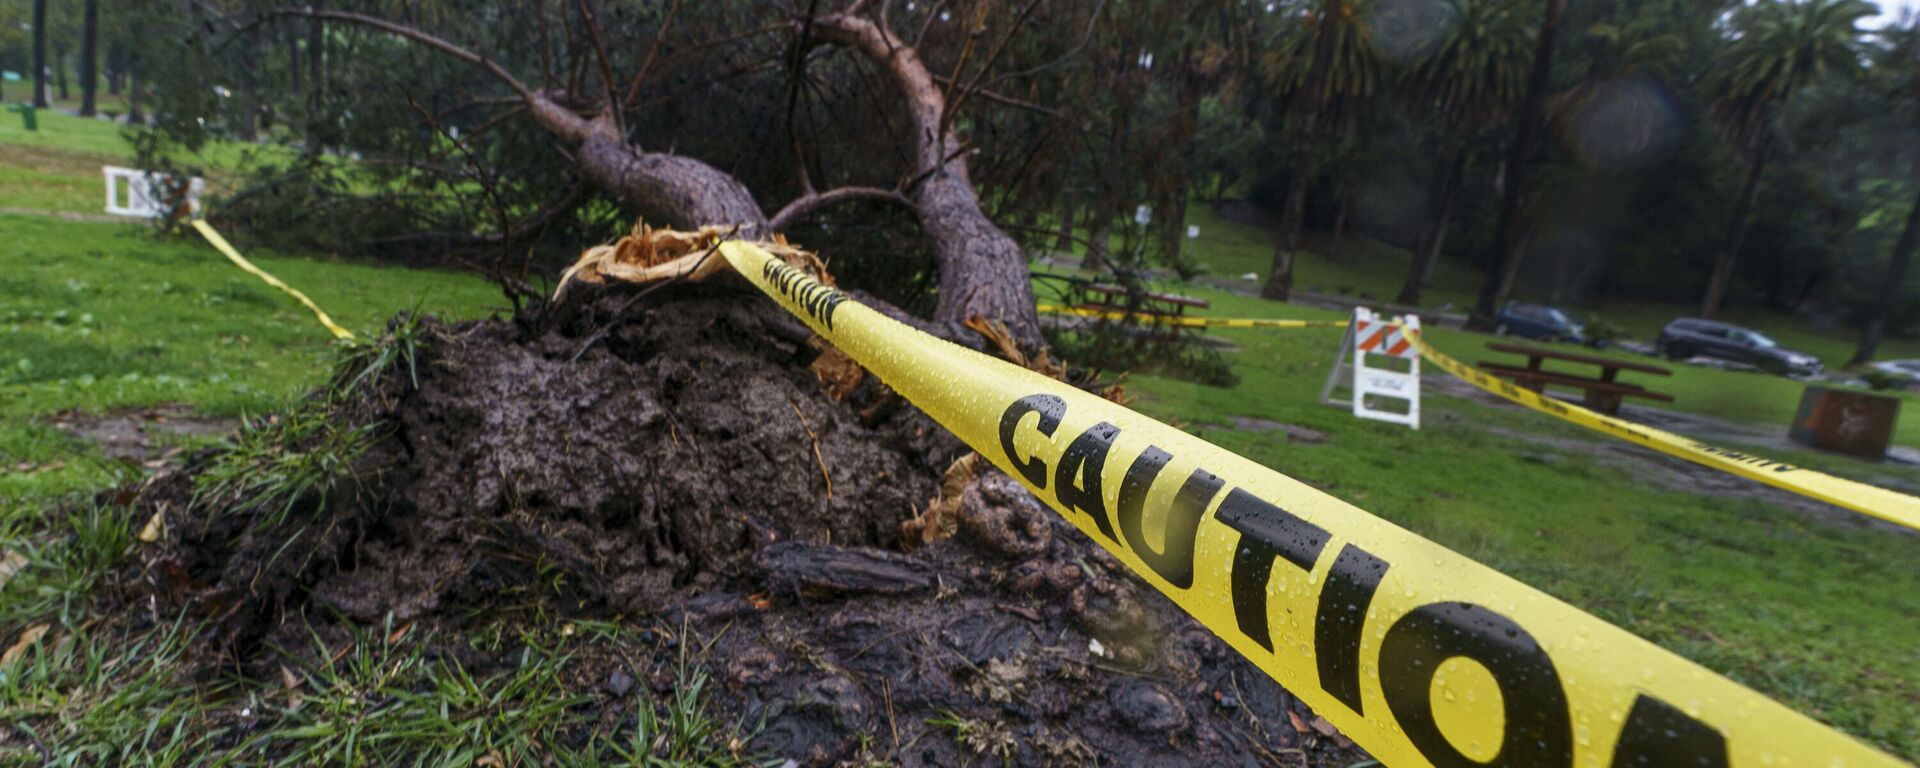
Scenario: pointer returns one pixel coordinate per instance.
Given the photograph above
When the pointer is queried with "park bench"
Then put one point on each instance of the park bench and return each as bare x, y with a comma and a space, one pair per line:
1602, 393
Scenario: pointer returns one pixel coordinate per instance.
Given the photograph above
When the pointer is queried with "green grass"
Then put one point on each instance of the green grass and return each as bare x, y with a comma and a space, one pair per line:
1820, 613
57, 168
102, 317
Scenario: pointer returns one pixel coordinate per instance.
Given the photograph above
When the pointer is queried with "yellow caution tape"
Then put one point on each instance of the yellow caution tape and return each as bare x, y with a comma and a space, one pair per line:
1891, 506
226, 249
1191, 322
1420, 655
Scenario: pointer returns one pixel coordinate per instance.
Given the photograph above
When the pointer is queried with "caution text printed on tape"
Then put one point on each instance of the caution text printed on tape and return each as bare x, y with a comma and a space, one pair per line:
1420, 655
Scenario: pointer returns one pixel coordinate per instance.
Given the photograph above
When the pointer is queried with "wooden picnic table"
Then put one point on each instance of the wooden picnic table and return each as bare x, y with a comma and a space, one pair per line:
1602, 393
1115, 298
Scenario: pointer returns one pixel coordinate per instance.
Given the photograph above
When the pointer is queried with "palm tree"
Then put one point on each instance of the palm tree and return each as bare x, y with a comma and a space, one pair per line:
1342, 71
1779, 47
40, 53
1896, 64
89, 56
1507, 243
1471, 76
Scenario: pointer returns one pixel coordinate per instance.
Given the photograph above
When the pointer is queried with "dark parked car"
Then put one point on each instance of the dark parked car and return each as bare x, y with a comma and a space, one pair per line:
1537, 321
1687, 337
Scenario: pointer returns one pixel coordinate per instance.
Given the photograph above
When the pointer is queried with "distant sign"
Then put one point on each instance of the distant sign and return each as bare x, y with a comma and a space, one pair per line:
11, 76
1193, 231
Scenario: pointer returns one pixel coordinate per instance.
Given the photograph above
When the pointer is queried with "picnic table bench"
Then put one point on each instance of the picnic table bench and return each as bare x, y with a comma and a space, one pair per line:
1113, 298
1602, 393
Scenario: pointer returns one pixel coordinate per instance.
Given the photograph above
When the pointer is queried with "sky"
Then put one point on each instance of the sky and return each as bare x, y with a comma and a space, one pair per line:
1890, 12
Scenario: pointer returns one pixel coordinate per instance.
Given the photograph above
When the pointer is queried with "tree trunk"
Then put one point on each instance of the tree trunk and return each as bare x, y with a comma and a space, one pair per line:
40, 53
1506, 257
1891, 288
1064, 241
1280, 280
1099, 233
292, 41
1735, 236
89, 56
60, 73
1427, 249
250, 87
982, 270
1339, 229
134, 115
116, 67
316, 54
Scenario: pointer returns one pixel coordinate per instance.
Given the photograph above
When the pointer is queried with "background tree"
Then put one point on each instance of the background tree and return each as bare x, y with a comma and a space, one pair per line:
89, 56
1470, 78
1507, 239
40, 53
1781, 46
1328, 68
1896, 74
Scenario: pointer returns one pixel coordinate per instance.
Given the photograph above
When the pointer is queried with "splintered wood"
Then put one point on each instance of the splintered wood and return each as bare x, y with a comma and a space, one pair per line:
650, 255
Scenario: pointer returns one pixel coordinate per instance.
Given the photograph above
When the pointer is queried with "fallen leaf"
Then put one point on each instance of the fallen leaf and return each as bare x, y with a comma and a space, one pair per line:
1325, 728
490, 760
1299, 726
11, 563
152, 531
27, 639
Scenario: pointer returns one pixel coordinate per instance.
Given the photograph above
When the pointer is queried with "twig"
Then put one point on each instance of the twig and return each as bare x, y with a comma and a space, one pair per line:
817, 458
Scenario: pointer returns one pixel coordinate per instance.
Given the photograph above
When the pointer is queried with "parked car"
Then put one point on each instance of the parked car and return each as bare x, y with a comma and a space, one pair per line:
1907, 369
1537, 321
1688, 337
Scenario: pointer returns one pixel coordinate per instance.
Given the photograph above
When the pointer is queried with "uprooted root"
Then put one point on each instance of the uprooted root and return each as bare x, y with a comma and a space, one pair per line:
670, 458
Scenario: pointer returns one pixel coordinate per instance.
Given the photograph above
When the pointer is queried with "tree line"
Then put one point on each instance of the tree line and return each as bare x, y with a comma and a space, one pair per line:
1714, 152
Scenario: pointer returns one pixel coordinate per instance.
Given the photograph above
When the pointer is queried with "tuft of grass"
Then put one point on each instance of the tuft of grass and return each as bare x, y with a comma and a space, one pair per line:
81, 697
385, 701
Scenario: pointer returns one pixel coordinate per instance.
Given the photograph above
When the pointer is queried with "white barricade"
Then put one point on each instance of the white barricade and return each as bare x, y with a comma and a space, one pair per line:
147, 194
1378, 386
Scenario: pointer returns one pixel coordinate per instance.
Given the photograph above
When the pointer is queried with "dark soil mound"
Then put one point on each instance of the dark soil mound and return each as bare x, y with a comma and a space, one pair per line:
668, 459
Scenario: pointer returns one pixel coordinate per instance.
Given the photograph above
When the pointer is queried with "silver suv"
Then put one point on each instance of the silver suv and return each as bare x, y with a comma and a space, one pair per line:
1688, 337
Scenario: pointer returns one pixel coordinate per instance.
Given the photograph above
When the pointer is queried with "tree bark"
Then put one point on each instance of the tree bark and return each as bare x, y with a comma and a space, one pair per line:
1099, 236
1427, 249
982, 270
1891, 288
1736, 235
1339, 229
116, 67
1495, 283
134, 114
89, 56
40, 53
60, 73
1064, 241
1280, 280
292, 40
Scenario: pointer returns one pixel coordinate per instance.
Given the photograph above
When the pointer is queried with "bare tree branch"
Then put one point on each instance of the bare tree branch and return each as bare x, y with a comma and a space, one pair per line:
807, 204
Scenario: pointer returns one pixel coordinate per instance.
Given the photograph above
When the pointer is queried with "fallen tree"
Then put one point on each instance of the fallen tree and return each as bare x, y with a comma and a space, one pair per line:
982, 270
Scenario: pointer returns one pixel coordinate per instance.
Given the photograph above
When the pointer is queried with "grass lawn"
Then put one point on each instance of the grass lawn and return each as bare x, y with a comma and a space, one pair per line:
57, 168
99, 317
1816, 611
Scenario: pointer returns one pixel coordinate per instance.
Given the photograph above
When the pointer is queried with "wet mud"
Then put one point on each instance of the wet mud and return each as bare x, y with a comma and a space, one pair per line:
668, 460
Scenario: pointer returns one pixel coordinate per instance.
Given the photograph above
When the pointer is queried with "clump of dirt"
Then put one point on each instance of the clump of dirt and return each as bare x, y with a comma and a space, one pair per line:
666, 458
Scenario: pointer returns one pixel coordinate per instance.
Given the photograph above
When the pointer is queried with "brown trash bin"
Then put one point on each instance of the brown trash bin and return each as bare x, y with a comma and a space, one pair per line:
1847, 421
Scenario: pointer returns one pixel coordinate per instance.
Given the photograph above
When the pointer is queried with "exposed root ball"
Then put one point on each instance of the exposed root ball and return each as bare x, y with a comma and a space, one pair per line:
665, 460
